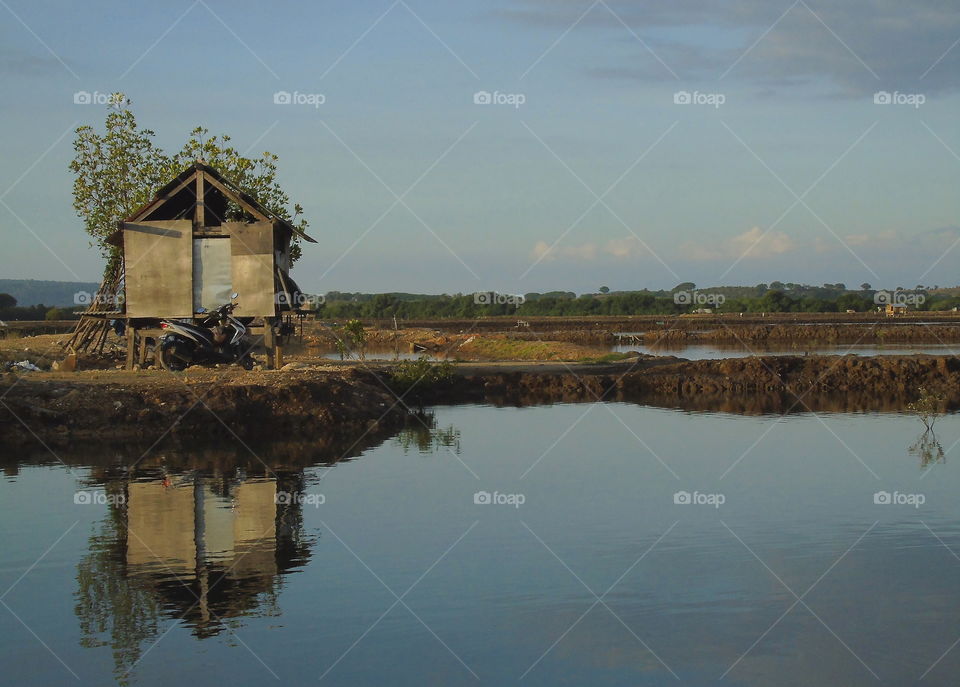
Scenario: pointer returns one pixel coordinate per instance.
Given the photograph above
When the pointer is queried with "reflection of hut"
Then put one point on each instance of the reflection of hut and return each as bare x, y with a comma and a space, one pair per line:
198, 241
209, 555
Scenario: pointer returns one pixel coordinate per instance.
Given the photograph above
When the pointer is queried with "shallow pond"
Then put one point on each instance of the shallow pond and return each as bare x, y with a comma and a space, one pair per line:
601, 544
716, 351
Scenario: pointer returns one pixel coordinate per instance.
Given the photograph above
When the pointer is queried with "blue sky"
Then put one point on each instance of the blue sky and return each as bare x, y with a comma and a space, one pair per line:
598, 178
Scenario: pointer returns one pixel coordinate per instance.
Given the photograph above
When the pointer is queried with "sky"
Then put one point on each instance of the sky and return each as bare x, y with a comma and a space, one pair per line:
521, 145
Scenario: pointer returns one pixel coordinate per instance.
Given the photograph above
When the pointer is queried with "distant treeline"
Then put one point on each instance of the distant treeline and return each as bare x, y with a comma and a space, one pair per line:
9, 310
685, 298
61, 294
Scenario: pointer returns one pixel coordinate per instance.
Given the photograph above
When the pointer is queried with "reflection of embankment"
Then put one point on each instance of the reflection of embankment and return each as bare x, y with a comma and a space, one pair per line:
176, 453
741, 385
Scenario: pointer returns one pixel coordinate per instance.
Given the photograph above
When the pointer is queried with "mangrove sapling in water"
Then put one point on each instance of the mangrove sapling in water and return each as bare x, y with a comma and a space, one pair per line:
928, 407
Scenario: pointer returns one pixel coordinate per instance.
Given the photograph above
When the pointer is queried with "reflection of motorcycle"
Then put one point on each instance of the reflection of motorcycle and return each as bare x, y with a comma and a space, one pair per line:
219, 338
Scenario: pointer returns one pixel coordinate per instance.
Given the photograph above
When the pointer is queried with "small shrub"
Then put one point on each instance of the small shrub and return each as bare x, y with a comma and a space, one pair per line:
928, 407
357, 337
419, 373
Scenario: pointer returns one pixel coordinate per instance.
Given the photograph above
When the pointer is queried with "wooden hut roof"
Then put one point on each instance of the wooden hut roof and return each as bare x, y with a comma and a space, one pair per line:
179, 195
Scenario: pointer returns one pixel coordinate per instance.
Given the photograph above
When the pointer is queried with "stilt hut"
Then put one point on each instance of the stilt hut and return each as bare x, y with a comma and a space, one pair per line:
198, 241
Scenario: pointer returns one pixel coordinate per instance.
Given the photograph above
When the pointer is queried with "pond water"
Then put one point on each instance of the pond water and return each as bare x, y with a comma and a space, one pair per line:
382, 353
607, 544
715, 351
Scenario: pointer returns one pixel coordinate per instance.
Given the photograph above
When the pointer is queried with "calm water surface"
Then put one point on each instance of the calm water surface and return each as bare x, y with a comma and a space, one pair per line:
586, 566
716, 351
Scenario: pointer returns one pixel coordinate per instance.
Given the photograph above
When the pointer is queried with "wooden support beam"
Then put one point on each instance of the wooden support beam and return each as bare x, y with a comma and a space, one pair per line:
199, 216
239, 201
145, 212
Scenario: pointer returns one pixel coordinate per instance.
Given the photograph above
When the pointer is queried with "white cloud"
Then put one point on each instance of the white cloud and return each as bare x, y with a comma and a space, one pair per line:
623, 248
753, 243
627, 247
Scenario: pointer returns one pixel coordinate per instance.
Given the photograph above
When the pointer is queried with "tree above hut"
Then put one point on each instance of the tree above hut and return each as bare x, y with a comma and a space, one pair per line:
122, 169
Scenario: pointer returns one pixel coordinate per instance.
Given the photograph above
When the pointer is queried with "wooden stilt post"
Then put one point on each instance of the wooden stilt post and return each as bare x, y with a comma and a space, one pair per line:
268, 343
131, 346
142, 352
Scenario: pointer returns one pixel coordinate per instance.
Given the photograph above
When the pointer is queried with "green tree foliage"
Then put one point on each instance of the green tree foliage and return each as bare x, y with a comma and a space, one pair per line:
404, 306
356, 337
117, 171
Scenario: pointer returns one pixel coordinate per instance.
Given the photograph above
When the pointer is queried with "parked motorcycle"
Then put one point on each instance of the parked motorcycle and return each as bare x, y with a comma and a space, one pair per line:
219, 338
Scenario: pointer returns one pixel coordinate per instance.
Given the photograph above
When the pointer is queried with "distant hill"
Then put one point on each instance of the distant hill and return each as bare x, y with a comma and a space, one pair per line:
51, 293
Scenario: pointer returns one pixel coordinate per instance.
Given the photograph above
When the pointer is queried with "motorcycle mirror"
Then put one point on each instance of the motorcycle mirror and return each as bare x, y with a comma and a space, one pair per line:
234, 295
201, 310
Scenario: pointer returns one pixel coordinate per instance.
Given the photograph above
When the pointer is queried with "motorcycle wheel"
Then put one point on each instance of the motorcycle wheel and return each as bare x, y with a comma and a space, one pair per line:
173, 357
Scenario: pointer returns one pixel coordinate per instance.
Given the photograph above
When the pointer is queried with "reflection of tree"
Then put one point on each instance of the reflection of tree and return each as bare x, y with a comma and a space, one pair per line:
422, 431
203, 551
107, 603
928, 449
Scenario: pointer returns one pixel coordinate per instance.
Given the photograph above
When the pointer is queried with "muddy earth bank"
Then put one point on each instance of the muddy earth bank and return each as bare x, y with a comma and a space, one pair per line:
324, 404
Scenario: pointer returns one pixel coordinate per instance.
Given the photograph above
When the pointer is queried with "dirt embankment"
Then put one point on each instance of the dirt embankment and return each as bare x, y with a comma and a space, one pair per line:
203, 403
324, 403
876, 333
572, 342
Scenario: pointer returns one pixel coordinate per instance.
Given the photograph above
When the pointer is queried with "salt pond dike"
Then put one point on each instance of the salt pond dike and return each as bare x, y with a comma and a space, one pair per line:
326, 401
